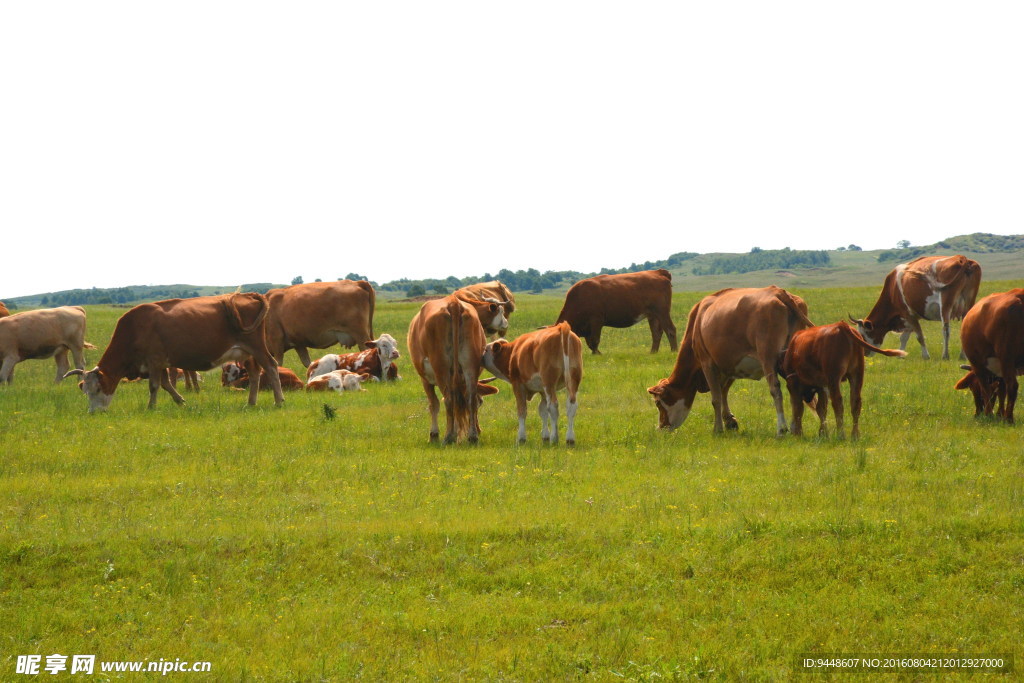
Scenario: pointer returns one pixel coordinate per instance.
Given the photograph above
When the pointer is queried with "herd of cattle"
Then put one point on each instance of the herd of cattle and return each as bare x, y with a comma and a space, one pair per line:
731, 334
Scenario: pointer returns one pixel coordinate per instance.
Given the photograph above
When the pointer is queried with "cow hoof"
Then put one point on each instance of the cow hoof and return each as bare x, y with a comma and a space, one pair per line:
434, 437
473, 439
448, 440
732, 425
570, 442
522, 441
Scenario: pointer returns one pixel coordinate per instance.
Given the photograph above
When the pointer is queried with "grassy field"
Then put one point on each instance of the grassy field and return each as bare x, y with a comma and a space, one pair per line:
280, 545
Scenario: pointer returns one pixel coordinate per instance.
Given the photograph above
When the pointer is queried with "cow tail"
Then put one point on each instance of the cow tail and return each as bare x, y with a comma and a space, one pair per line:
457, 389
852, 334
787, 299
368, 288
235, 317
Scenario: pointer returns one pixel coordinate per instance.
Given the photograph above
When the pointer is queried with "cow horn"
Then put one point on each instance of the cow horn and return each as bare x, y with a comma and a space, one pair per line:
854, 320
76, 371
487, 380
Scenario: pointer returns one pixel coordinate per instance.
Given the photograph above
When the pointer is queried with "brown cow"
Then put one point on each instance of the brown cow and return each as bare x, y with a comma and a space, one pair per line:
316, 315
3, 310
731, 334
621, 301
495, 292
929, 288
817, 362
997, 388
235, 376
377, 360
541, 361
191, 334
992, 336
44, 333
446, 344
339, 381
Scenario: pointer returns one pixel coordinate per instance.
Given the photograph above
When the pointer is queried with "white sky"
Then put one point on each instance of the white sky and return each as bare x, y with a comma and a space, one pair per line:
228, 142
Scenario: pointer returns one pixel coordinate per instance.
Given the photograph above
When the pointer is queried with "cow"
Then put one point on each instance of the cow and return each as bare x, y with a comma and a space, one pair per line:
3, 310
377, 360
495, 292
992, 337
927, 288
815, 365
191, 334
621, 301
541, 361
316, 315
339, 381
446, 344
731, 334
44, 333
234, 375
997, 388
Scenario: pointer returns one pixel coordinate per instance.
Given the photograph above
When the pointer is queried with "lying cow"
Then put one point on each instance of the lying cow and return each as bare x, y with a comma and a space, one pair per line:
621, 301
541, 362
235, 376
992, 337
45, 333
446, 345
732, 334
339, 381
191, 334
817, 362
377, 360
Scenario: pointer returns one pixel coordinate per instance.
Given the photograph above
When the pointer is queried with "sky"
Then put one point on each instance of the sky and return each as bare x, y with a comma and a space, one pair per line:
220, 143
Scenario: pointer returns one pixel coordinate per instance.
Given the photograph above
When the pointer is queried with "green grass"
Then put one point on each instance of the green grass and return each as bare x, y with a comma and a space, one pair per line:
284, 546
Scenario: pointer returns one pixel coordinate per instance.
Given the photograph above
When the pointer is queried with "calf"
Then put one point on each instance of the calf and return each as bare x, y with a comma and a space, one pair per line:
816, 363
377, 360
541, 362
339, 381
996, 387
235, 376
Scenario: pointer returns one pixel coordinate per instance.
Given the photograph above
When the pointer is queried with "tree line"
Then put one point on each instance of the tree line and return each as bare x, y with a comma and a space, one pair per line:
764, 259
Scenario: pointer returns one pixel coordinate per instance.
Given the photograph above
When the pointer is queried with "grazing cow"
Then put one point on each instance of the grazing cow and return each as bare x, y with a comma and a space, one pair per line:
191, 334
339, 381
621, 301
235, 376
191, 378
731, 334
446, 344
992, 336
317, 315
45, 333
816, 363
541, 361
377, 360
929, 288
997, 388
3, 310
495, 292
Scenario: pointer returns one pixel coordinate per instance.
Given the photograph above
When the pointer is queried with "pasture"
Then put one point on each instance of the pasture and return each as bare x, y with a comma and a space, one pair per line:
282, 545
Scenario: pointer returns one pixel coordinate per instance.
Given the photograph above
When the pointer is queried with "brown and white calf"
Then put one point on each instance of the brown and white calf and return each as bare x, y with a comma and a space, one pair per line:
731, 334
236, 376
817, 362
927, 288
377, 360
541, 362
339, 381
992, 336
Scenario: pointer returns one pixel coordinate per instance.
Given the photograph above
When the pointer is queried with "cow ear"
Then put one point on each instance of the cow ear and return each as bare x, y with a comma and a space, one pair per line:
369, 344
656, 391
486, 389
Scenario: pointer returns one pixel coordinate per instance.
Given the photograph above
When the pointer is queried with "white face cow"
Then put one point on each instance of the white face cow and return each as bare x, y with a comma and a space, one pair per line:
387, 351
92, 386
231, 372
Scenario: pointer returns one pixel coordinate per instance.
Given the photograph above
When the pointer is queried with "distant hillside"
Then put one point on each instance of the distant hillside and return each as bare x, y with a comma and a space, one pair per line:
1000, 257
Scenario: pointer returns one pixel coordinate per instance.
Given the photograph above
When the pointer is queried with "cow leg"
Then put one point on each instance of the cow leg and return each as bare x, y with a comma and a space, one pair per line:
670, 332
450, 434
836, 394
79, 356
7, 370
571, 406
796, 404
656, 331
594, 338
916, 328
154, 384
727, 416
776, 391
165, 382
434, 406
553, 414
542, 410
522, 398
1010, 384
61, 357
715, 387
821, 408
267, 364
945, 340
856, 384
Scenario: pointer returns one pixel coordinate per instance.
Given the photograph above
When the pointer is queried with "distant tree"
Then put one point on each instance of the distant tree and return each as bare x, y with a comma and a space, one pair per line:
415, 290
355, 276
840, 248
439, 288
903, 244
756, 250
45, 301
318, 280
297, 280
854, 247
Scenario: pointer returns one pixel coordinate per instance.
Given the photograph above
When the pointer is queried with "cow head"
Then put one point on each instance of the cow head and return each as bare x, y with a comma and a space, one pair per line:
354, 382
496, 357
97, 386
674, 401
231, 372
491, 315
387, 348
